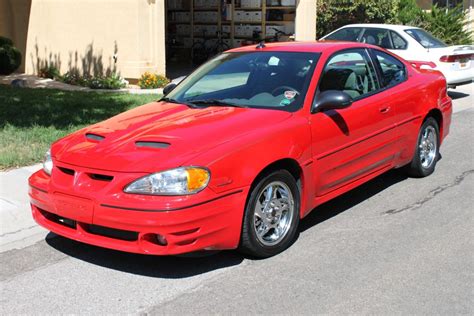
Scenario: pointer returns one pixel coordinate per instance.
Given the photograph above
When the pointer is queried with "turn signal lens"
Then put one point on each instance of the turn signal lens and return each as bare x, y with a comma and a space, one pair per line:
197, 178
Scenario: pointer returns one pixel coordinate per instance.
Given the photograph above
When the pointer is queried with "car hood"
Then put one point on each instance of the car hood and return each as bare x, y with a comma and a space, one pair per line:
159, 136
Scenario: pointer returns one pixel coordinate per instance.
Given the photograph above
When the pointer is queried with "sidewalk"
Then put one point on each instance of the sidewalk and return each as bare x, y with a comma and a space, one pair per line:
17, 227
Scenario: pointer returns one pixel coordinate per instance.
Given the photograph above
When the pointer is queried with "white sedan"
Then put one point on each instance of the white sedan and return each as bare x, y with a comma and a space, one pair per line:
414, 44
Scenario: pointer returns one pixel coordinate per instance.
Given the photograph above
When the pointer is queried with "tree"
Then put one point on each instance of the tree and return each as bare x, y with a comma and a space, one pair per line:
333, 14
448, 25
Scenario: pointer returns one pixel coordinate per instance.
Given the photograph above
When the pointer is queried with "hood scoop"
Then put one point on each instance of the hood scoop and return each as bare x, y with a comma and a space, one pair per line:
95, 137
152, 144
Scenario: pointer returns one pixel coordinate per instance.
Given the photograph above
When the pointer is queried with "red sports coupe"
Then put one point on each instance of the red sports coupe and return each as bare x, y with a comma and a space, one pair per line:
236, 154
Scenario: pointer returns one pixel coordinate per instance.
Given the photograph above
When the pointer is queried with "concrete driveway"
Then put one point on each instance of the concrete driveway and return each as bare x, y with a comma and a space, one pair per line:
394, 245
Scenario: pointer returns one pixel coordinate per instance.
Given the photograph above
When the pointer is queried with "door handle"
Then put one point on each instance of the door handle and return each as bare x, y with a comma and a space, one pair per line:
384, 109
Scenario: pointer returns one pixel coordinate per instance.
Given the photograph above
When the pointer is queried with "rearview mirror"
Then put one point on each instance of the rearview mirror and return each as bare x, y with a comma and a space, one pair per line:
168, 88
331, 100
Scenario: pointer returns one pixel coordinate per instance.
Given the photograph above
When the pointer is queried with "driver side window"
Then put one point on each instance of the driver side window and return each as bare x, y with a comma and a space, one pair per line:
351, 72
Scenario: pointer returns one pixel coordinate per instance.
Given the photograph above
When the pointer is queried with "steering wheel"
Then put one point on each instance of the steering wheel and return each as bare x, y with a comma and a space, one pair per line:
284, 88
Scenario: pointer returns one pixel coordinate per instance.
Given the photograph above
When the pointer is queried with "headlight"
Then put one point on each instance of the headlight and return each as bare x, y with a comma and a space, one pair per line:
179, 181
48, 162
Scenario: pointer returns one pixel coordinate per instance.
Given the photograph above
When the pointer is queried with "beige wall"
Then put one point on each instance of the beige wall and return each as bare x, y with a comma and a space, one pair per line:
87, 34
14, 17
305, 24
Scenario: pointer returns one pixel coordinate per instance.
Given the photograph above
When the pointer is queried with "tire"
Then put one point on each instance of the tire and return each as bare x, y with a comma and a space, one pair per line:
279, 218
425, 158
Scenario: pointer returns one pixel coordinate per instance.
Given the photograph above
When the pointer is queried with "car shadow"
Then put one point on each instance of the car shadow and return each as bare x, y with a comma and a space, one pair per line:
457, 95
350, 199
177, 267
166, 267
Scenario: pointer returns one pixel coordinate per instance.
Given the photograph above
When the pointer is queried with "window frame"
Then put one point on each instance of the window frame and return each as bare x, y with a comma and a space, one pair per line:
357, 40
398, 34
363, 50
376, 28
379, 68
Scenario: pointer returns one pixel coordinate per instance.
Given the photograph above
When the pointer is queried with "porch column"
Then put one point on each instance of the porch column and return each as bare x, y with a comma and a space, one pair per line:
305, 24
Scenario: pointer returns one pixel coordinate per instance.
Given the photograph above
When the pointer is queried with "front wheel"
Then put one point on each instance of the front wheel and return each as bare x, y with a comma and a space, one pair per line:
271, 216
427, 150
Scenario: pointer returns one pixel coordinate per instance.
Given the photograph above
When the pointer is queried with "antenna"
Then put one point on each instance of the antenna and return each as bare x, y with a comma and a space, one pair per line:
261, 45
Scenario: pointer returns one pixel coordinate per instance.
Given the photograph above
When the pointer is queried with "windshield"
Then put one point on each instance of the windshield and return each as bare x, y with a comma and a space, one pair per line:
276, 80
425, 39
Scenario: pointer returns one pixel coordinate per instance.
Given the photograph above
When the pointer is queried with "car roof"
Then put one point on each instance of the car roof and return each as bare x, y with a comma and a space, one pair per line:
394, 27
311, 46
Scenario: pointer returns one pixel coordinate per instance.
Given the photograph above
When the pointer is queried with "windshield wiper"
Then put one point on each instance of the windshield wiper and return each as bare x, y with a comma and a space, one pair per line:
216, 102
170, 100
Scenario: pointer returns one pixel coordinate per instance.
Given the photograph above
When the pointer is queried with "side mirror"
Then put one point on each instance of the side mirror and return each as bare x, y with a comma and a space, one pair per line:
331, 100
168, 88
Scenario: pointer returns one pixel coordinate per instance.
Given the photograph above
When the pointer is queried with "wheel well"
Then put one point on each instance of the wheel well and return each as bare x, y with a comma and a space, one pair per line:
291, 165
288, 164
436, 114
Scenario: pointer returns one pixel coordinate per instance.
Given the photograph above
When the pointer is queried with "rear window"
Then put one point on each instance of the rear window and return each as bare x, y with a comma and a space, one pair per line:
346, 34
425, 39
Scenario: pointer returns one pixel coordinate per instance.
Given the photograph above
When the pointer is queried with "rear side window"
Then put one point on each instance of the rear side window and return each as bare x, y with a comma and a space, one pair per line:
350, 72
393, 70
346, 34
397, 41
425, 39
375, 36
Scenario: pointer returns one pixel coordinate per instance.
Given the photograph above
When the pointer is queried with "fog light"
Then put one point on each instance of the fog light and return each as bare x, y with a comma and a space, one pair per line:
156, 239
161, 240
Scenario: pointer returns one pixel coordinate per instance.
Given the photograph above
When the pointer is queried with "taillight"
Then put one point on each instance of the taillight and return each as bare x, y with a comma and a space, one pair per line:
453, 58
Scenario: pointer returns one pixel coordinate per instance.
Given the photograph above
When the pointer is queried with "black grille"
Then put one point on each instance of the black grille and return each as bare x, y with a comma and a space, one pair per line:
58, 219
101, 177
112, 232
67, 171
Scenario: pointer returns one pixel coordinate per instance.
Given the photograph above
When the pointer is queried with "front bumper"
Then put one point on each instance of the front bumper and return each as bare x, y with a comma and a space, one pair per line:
133, 223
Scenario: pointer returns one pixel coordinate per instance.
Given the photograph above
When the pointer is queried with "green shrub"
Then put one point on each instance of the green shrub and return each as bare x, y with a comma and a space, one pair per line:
152, 81
448, 25
5, 41
49, 71
409, 13
112, 81
10, 59
333, 14
74, 78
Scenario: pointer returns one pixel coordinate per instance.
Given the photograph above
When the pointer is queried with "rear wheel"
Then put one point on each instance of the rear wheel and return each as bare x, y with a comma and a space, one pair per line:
271, 215
427, 150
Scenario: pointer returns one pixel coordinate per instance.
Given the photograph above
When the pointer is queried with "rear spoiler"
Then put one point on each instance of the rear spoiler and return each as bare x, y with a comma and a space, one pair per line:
418, 64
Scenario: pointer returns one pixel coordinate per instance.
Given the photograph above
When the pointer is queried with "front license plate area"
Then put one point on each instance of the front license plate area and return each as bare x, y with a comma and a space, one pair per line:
73, 207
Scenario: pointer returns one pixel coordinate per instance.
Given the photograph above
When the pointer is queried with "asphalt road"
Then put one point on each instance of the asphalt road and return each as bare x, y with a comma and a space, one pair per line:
394, 245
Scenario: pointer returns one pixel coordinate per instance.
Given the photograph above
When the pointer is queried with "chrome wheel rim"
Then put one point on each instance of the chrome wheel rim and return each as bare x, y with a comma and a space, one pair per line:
428, 147
273, 213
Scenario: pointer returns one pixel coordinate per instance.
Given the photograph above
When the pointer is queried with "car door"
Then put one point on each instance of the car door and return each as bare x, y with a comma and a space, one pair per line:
402, 98
351, 143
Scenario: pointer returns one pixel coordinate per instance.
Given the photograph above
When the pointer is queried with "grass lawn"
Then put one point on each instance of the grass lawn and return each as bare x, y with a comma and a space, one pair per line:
31, 119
